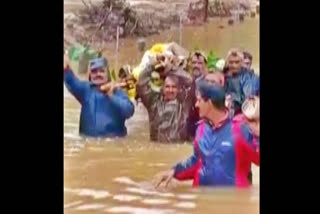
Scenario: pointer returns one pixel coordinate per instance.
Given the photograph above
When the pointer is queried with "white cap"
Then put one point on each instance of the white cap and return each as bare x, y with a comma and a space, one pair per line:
220, 64
251, 108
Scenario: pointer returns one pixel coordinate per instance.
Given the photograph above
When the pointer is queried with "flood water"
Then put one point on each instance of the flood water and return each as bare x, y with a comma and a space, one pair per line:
114, 176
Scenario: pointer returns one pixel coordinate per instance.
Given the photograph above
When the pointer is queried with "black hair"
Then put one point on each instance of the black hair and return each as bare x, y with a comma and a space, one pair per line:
174, 78
219, 104
198, 54
207, 91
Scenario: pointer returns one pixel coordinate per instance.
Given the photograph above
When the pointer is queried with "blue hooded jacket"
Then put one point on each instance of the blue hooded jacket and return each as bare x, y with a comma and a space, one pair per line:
101, 115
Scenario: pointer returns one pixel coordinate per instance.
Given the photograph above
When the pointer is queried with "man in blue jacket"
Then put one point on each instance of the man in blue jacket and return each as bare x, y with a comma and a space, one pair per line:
240, 83
104, 108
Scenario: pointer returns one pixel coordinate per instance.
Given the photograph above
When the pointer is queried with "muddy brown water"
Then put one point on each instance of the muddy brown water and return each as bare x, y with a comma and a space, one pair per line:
115, 175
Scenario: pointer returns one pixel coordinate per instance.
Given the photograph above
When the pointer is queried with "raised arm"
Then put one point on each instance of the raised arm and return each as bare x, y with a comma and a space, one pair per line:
76, 87
147, 95
123, 103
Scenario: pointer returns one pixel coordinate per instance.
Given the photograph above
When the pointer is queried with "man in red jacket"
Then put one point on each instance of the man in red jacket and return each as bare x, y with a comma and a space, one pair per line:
224, 148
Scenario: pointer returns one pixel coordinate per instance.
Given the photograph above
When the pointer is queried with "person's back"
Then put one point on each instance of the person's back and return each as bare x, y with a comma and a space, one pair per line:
102, 115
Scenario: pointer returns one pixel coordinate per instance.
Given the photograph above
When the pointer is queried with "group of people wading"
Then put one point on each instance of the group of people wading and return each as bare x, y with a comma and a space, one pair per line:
216, 107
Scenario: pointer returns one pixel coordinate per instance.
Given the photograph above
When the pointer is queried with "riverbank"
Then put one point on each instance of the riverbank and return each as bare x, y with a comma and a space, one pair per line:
96, 22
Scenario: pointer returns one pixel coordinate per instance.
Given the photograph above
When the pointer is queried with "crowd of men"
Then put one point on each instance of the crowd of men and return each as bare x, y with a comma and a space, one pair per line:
215, 107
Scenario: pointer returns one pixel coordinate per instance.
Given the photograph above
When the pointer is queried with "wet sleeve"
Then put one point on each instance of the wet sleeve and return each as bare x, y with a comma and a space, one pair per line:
249, 144
144, 89
123, 103
74, 85
251, 84
186, 169
253, 153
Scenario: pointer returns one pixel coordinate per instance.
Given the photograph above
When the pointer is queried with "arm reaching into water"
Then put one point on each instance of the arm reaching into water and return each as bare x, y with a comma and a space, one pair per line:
186, 169
182, 171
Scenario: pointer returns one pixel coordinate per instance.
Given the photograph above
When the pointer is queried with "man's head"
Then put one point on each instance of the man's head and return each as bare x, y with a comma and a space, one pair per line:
210, 99
170, 88
234, 61
99, 71
215, 78
198, 64
251, 110
247, 60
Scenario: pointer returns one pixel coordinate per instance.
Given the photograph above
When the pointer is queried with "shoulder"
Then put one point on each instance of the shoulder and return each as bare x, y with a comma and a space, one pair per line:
202, 127
246, 73
241, 131
239, 118
238, 125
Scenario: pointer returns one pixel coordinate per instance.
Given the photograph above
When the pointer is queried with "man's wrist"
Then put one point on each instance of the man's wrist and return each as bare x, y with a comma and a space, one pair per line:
66, 67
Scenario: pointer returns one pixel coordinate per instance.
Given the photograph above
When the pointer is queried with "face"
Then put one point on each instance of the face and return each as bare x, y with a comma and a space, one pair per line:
215, 78
170, 89
198, 66
255, 127
203, 106
246, 63
234, 64
98, 76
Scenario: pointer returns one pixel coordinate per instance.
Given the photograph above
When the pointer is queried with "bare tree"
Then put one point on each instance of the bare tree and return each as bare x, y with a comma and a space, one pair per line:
206, 8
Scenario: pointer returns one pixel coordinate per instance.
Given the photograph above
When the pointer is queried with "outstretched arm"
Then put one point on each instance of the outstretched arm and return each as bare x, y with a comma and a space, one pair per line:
186, 169
74, 85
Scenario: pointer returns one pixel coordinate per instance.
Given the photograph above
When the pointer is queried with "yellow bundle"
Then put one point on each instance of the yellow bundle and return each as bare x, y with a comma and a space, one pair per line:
158, 48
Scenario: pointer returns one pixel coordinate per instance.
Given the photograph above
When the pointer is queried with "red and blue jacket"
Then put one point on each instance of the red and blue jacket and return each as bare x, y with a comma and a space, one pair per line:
101, 115
222, 156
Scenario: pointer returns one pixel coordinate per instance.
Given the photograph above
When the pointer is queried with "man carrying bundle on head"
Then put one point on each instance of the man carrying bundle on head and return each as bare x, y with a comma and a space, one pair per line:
167, 102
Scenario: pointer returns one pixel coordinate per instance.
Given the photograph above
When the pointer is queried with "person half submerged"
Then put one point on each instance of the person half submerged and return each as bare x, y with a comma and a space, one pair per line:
104, 108
198, 69
240, 83
168, 107
222, 151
